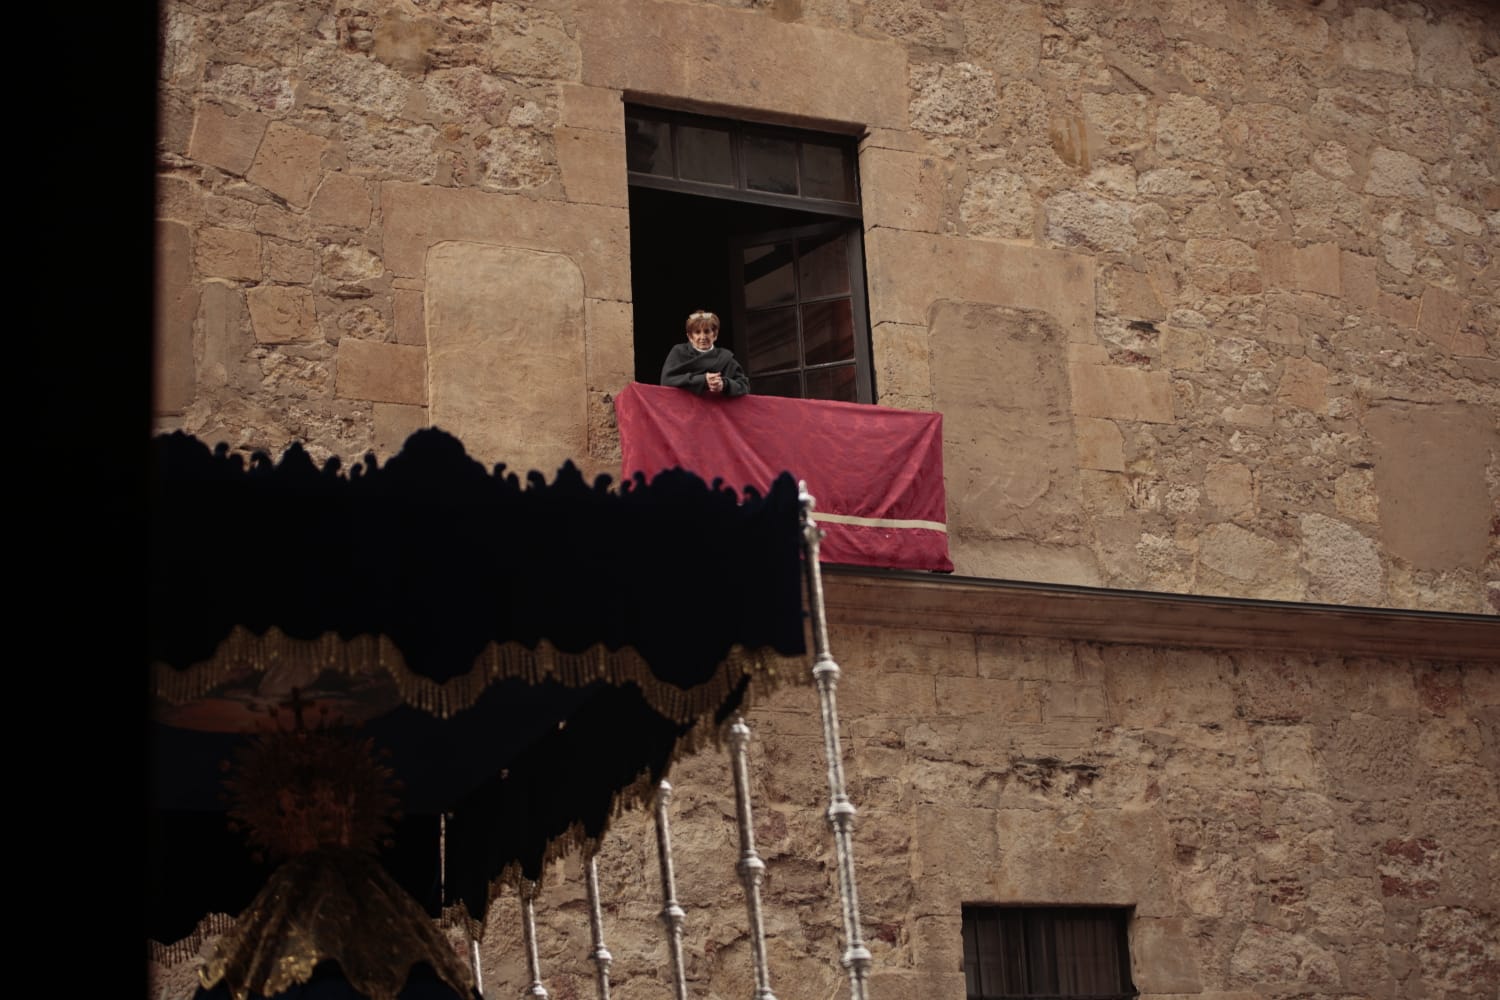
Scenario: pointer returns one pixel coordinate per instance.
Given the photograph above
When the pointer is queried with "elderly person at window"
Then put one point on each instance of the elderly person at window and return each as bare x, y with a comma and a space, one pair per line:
699, 366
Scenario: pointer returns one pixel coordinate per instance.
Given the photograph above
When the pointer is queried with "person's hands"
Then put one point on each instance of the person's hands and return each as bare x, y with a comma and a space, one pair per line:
715, 381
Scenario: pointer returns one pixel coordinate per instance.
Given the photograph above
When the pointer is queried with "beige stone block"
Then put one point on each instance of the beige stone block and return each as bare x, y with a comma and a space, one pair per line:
1399, 309
225, 342
1250, 415
1357, 275
175, 307
1065, 701
742, 59
283, 315
289, 262
897, 694
1228, 487
227, 141
1258, 566
512, 384
1133, 295
178, 199
1062, 854
1313, 268
595, 237
910, 272
902, 363
273, 220
1435, 506
998, 698
1165, 953
1343, 565
1019, 559
1009, 455
410, 318
953, 851
598, 108
593, 165
901, 190
393, 424
611, 346
1441, 321
342, 200
228, 253
385, 373
1100, 445
1121, 393
289, 163
1304, 384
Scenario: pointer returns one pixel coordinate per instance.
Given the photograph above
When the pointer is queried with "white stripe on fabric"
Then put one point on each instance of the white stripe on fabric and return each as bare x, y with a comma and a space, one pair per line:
879, 522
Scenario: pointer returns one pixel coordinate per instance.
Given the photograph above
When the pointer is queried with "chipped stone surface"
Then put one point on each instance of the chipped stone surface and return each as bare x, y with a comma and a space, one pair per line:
281, 315
288, 163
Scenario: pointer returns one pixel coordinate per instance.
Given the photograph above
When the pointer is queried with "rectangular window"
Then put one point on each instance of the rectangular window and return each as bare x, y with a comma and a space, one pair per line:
1047, 953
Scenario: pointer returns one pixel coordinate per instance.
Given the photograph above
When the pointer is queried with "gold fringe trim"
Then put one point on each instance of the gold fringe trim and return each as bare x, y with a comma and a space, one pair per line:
244, 651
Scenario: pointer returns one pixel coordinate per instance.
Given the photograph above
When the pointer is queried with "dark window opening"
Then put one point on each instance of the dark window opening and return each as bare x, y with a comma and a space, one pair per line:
1047, 953
761, 226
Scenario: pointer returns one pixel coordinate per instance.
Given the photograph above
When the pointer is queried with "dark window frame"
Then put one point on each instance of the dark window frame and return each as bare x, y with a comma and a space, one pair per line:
1031, 966
738, 132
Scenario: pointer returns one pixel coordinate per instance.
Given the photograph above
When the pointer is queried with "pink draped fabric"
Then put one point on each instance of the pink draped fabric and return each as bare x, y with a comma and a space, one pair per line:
876, 473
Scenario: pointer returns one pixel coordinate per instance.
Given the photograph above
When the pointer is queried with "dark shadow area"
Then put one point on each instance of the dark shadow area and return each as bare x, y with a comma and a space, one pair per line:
679, 262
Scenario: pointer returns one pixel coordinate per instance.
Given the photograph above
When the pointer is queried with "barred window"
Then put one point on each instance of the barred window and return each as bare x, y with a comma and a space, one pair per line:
1047, 953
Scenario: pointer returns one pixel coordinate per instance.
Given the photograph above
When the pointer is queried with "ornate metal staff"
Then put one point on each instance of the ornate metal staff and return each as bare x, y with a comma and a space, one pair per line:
528, 932
840, 810
600, 954
672, 916
751, 868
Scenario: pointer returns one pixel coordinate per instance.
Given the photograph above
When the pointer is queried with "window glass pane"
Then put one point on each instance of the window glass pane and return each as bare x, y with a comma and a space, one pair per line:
704, 155
770, 164
768, 275
648, 146
1042, 952
770, 340
827, 172
789, 384
828, 331
832, 383
824, 267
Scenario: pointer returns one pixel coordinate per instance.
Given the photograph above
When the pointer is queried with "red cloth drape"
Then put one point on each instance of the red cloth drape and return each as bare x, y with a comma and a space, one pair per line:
876, 473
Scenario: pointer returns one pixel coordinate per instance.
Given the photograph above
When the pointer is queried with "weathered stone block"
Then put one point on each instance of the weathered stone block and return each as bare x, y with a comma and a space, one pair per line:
1259, 564
176, 295
289, 163
611, 349
1395, 174
410, 318
909, 273
1165, 951
1229, 489
342, 200
1441, 321
593, 166
1435, 505
1100, 445
997, 698
1121, 393
791, 68
1313, 268
394, 423
902, 364
1304, 384
595, 237
228, 253
385, 373
289, 262
901, 190
599, 108
227, 141
898, 694
1376, 40
283, 315
510, 383
1343, 566
1009, 456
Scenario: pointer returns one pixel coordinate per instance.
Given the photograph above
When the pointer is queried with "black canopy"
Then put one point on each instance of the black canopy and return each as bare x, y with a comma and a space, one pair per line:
523, 654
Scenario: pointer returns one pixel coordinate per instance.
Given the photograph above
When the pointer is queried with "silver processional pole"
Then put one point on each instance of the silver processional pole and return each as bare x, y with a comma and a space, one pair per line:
601, 956
856, 958
751, 868
672, 917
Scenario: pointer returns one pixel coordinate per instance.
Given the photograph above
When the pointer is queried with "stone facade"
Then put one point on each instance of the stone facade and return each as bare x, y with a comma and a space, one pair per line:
1207, 294
1263, 232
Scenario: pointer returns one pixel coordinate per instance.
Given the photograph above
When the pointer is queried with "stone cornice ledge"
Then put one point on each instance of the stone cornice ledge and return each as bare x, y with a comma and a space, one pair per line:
901, 599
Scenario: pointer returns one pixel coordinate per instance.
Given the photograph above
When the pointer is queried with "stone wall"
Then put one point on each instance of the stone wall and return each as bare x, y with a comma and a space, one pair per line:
1226, 265
1284, 824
